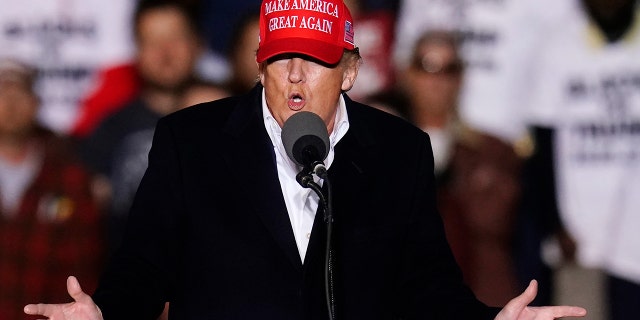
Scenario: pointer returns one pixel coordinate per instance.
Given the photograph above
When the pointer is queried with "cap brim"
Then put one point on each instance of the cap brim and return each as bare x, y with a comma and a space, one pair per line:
323, 51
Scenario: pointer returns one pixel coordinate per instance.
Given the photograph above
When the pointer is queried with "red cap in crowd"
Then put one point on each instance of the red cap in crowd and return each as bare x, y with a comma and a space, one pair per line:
316, 28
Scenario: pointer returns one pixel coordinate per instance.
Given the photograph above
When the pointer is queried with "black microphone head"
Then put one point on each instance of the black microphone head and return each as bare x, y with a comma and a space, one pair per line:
305, 138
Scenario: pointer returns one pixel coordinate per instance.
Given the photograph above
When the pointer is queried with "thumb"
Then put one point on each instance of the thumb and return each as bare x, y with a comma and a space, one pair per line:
519, 303
75, 291
527, 296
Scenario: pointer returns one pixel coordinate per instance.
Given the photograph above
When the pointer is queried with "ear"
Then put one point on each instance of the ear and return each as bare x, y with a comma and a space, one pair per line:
349, 75
261, 67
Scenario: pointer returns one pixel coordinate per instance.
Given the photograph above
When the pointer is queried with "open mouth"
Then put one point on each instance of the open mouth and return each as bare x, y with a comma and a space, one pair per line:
296, 102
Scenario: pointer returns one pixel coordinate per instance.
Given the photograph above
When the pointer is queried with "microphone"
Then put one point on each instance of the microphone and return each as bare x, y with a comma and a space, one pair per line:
305, 138
306, 141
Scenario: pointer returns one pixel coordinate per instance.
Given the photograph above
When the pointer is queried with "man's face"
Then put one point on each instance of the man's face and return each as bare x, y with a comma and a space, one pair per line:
434, 78
244, 69
18, 107
167, 48
295, 82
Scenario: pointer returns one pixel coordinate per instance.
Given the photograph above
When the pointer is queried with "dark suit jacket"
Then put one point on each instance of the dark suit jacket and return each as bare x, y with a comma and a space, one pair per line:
210, 233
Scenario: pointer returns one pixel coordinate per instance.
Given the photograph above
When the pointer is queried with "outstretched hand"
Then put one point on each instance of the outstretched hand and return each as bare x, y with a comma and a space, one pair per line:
517, 308
82, 308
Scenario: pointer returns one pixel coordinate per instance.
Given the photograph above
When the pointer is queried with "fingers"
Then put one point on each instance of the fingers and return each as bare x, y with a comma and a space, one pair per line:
82, 302
517, 307
557, 311
38, 309
568, 311
47, 310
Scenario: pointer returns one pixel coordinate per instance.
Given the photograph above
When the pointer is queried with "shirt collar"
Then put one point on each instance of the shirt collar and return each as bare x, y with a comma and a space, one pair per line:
340, 127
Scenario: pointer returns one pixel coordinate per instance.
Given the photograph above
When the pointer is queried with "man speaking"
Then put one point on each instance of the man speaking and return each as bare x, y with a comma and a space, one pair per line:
221, 228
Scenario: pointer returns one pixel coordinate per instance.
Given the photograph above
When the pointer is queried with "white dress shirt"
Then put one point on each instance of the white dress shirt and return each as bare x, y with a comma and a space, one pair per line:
301, 203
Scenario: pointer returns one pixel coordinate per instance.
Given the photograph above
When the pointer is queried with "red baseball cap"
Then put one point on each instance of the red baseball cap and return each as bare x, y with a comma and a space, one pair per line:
321, 29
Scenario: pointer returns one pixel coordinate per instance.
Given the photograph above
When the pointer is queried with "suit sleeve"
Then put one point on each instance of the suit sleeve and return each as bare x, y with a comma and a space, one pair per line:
139, 278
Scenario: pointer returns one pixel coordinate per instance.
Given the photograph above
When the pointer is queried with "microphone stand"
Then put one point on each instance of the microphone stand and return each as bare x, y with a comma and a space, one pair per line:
305, 179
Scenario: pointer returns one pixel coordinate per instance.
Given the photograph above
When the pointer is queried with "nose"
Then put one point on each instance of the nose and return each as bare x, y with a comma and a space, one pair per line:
296, 70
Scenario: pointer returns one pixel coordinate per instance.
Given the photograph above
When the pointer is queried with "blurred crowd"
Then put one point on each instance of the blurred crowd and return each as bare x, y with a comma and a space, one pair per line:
532, 107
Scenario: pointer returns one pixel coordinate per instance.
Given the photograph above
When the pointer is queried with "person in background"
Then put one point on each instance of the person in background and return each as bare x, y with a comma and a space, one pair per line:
431, 86
482, 26
49, 222
168, 46
495, 38
576, 84
202, 91
242, 54
477, 174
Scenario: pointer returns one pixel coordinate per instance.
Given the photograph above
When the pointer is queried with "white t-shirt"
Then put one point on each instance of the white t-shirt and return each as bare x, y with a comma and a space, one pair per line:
589, 93
15, 180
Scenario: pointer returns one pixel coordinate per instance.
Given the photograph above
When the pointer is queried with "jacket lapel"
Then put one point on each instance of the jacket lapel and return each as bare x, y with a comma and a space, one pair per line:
250, 154
350, 177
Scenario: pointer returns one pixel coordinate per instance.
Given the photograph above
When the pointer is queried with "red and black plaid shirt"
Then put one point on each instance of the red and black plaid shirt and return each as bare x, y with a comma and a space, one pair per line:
57, 232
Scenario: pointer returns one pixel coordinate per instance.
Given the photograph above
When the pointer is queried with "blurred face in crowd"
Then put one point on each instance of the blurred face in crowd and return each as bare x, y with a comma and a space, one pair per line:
295, 82
608, 9
201, 92
354, 6
244, 56
434, 77
18, 107
168, 48
614, 17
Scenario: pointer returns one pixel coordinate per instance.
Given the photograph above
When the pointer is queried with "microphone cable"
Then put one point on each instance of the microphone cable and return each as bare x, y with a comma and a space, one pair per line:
306, 180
